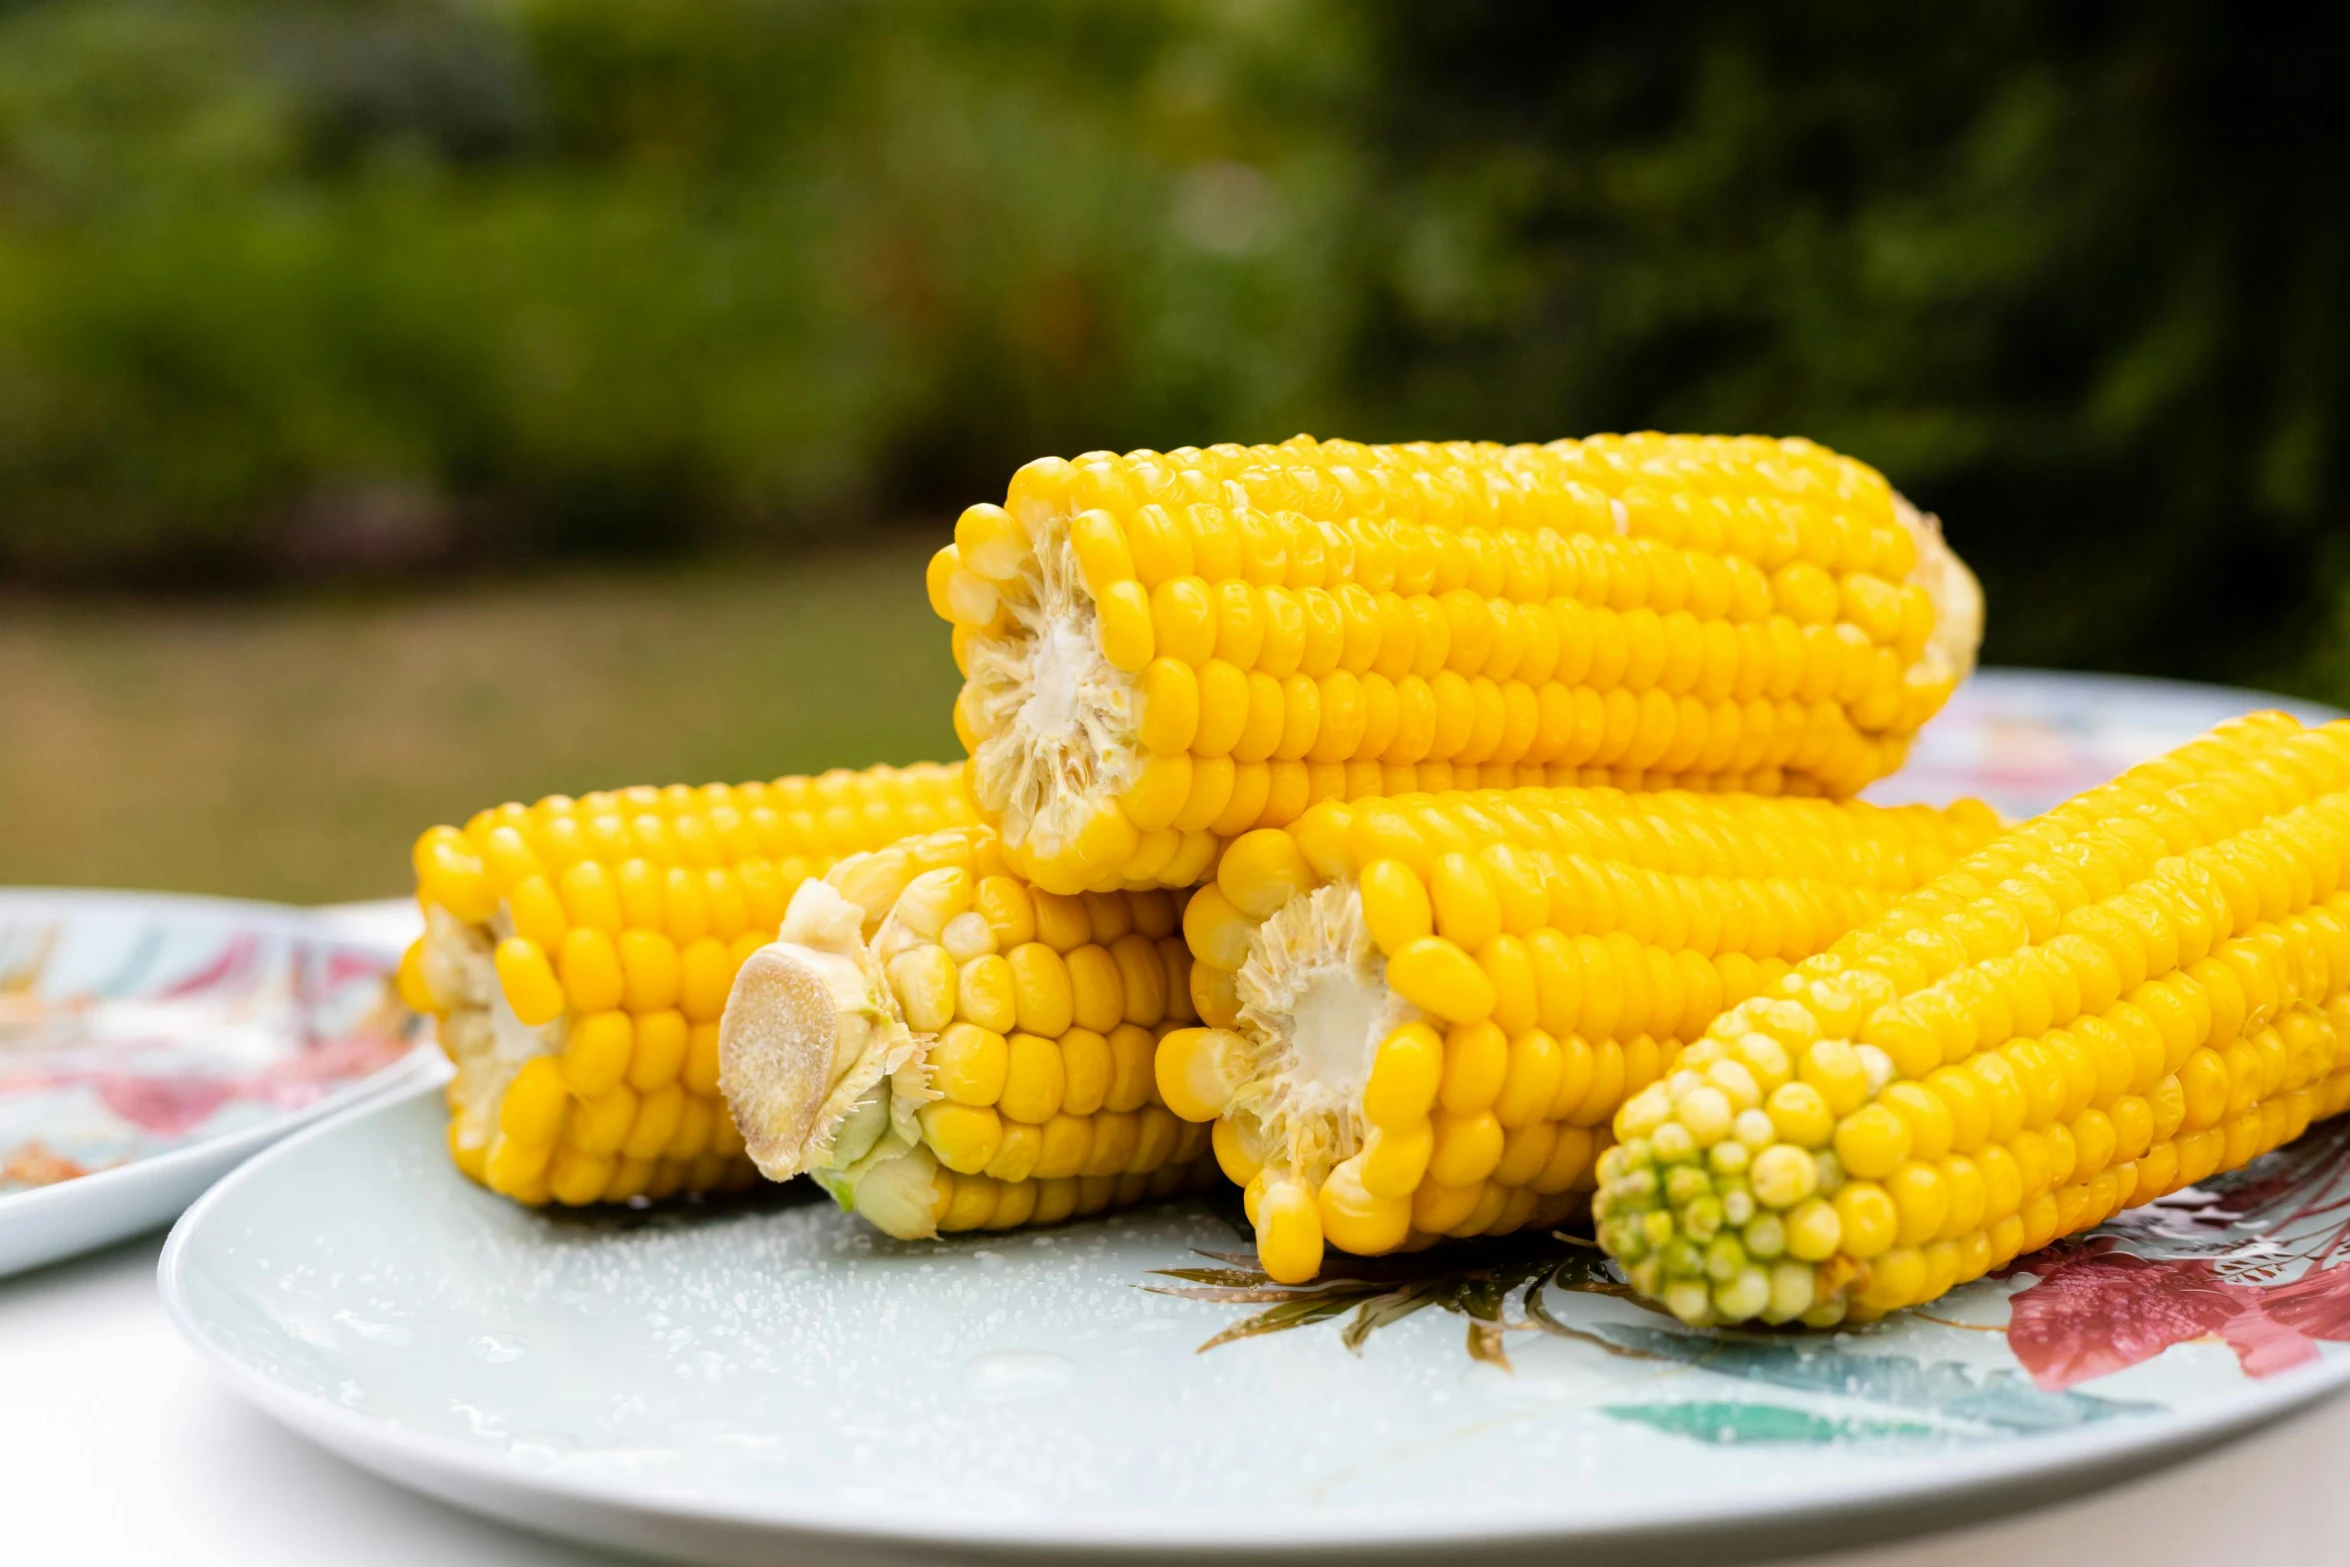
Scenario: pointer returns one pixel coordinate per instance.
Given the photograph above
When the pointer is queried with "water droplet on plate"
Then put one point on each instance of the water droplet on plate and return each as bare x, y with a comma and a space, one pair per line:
1018, 1373
495, 1349
389, 1334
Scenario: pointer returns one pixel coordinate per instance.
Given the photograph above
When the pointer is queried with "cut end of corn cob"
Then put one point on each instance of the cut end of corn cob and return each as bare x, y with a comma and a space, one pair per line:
1162, 652
2146, 985
578, 953
1420, 1013
945, 1047
806, 1034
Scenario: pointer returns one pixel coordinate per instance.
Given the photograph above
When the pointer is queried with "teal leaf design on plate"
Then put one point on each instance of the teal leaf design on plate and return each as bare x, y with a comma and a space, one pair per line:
1727, 1423
1992, 1398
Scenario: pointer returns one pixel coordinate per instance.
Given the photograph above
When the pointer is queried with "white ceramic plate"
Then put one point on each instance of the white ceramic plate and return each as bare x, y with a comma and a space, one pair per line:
2026, 739
149, 1042
738, 1384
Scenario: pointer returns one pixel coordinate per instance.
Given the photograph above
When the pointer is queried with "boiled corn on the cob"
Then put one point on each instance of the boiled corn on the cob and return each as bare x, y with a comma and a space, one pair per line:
577, 954
945, 1047
1421, 1013
1162, 652
2145, 985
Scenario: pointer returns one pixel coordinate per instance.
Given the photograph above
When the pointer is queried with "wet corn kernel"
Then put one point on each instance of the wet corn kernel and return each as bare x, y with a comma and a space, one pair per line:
1255, 649
2126, 995
1464, 1092
629, 913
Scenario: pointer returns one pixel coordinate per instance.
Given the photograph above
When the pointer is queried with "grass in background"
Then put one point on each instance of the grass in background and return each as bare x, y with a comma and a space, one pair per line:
294, 749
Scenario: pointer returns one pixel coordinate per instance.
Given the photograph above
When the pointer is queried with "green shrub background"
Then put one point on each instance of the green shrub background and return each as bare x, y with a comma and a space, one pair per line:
393, 293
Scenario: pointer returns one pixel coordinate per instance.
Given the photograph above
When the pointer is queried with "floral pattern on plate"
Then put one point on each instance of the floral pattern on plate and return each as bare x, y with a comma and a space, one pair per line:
2257, 1260
133, 1025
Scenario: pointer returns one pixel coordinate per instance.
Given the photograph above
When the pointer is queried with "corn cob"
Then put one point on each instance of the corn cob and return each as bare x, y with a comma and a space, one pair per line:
945, 1047
1421, 1013
1163, 652
577, 954
2144, 986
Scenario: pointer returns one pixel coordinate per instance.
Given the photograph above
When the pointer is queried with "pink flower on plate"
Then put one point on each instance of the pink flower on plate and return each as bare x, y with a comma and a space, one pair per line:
167, 1106
2095, 1311
2259, 1259
297, 1080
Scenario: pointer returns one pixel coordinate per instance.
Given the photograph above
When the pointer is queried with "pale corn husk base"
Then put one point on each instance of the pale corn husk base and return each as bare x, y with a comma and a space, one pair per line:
1058, 720
1305, 1086
821, 1072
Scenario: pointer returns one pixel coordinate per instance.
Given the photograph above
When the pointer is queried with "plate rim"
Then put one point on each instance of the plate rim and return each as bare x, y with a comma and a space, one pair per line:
286, 919
2035, 1466
294, 918
2013, 675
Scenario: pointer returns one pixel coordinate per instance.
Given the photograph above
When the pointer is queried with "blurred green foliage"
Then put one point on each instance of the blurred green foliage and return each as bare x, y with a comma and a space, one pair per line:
310, 288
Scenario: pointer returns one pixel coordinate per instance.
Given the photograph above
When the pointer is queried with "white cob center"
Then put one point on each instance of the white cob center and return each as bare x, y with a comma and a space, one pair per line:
1314, 1000
1059, 719
485, 1041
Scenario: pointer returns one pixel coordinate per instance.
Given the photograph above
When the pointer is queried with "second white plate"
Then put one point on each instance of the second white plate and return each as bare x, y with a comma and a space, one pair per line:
149, 1042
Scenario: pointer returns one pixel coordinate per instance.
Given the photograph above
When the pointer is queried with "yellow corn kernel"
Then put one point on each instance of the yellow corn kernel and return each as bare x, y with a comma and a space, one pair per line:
1215, 997
649, 970
603, 1121
1198, 1070
1467, 1147
657, 1117
1396, 906
1097, 990
1042, 998
596, 1055
537, 913
1133, 1068
576, 1177
969, 1064
513, 1168
1438, 1209
1261, 871
924, 980
1406, 1076
1873, 1141
1536, 1064
1395, 1160
1008, 909
1035, 1080
531, 1113
1476, 1060
965, 1137
700, 1075
1061, 919
450, 874
528, 981
590, 896
1216, 931
1088, 1069
984, 994
1437, 976
1468, 913
1356, 1219
705, 974
415, 990
695, 1122
1289, 1233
